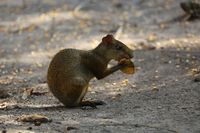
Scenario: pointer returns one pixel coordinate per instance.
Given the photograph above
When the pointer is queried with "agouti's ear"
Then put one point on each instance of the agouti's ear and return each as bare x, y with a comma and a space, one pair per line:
107, 39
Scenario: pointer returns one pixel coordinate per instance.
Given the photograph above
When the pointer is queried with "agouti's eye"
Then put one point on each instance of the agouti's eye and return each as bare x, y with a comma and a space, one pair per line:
118, 47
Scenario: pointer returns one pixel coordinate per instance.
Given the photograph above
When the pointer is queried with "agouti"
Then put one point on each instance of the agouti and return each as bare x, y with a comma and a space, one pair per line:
71, 70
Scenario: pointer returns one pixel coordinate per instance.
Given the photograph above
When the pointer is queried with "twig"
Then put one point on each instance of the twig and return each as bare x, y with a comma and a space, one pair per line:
119, 32
52, 27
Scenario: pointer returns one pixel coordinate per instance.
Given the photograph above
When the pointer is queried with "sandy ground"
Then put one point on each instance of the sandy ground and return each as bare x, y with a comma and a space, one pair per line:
161, 97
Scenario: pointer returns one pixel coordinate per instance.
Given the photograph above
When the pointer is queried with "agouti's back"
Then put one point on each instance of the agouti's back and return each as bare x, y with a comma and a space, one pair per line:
63, 69
62, 66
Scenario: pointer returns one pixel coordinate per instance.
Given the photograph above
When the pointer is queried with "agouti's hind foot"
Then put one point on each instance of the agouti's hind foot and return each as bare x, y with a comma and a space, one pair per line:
99, 102
91, 104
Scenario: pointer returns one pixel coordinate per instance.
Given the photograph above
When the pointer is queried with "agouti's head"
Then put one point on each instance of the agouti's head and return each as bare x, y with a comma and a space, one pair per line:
115, 49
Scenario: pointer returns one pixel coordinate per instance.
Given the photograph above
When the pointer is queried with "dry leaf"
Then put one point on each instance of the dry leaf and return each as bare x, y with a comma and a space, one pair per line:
8, 106
34, 118
125, 82
27, 92
152, 37
147, 46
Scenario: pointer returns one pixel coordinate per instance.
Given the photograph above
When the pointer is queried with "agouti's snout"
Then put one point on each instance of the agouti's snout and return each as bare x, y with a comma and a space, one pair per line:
130, 55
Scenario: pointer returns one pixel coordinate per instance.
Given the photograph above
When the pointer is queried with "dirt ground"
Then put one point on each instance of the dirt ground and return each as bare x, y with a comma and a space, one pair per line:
163, 96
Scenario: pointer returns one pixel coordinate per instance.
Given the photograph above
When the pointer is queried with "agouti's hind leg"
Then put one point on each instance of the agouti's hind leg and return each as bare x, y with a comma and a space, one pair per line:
80, 88
91, 104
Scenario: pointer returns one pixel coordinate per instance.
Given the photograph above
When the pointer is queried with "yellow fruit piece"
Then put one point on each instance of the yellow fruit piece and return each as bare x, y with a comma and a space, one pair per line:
130, 69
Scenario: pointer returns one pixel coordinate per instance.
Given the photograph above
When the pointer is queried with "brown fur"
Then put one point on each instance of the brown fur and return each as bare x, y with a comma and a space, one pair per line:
71, 70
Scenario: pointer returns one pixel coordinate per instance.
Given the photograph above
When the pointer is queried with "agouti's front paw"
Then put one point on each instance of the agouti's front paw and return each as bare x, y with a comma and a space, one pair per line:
124, 62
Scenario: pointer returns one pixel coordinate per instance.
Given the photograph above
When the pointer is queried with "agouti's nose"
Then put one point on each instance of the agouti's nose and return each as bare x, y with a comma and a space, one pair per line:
129, 52
131, 55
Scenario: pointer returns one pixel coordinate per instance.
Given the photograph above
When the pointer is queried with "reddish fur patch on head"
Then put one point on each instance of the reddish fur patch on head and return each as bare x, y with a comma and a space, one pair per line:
107, 39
